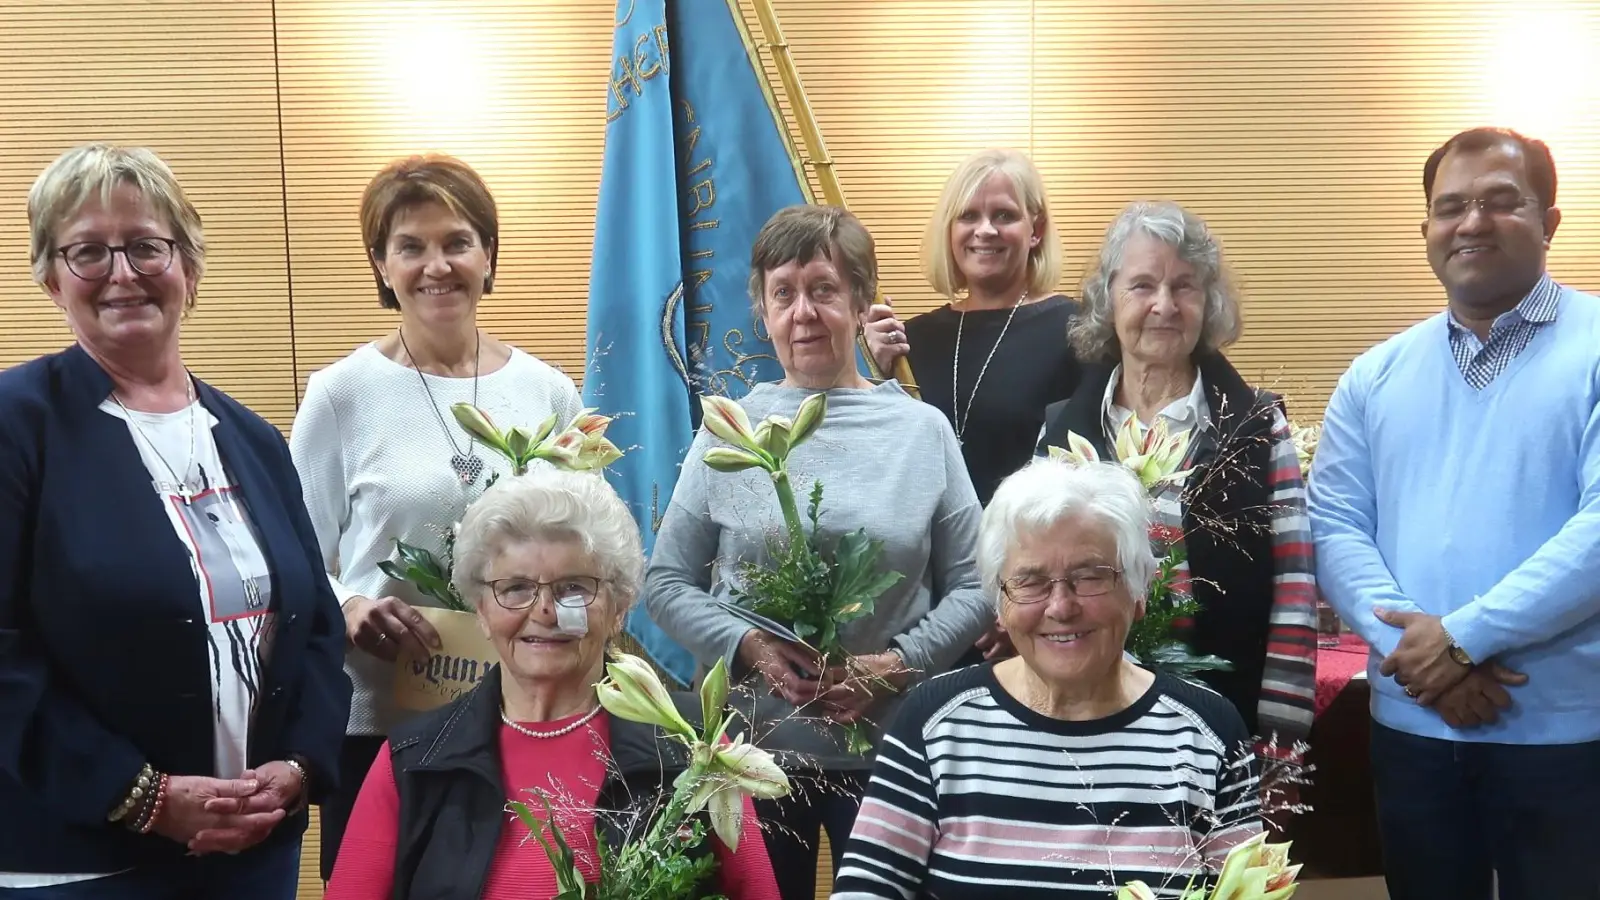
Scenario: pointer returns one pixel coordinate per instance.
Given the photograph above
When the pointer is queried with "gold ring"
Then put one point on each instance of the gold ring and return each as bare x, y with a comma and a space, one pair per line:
1411, 691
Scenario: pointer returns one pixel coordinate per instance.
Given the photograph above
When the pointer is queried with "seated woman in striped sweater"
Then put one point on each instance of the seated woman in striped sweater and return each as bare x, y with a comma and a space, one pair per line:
1067, 769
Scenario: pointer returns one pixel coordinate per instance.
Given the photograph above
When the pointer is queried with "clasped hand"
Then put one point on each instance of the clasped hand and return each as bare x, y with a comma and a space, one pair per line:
1464, 696
217, 815
796, 674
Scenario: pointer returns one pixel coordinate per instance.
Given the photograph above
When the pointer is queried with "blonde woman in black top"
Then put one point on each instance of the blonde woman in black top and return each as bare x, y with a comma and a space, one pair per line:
993, 357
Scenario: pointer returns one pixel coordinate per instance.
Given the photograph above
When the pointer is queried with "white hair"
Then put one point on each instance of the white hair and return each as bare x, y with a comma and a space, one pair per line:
1047, 492
550, 504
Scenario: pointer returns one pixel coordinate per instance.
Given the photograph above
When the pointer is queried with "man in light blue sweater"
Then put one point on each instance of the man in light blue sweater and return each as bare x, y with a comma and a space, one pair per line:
1455, 505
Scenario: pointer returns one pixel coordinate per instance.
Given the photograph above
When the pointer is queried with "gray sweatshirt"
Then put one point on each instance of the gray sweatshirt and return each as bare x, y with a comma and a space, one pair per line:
888, 463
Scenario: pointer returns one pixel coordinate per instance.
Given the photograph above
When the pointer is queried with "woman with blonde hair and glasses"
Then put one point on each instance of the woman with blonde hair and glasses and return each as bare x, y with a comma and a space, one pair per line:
171, 693
996, 354
374, 440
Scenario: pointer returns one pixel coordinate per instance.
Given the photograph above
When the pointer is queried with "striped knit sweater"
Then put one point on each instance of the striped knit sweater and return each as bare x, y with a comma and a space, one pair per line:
976, 796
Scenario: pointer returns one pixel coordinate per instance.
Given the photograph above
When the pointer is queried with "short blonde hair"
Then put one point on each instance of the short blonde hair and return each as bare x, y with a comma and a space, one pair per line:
96, 170
550, 504
1094, 331
1044, 260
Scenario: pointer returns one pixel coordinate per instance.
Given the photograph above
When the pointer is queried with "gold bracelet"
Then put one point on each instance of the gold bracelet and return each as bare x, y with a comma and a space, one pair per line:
141, 787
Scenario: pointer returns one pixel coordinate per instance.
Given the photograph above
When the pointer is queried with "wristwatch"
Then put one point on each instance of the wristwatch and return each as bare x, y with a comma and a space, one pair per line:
1457, 655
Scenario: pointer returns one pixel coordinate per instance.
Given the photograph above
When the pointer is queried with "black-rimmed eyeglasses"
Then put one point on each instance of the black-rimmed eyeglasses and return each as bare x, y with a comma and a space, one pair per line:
572, 591
1089, 581
92, 260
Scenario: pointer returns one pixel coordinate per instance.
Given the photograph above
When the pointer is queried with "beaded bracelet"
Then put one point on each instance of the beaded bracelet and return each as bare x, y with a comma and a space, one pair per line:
141, 786
152, 809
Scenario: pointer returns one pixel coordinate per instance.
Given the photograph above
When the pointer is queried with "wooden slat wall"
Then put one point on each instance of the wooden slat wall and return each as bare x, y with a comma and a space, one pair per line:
194, 80
516, 89
1298, 128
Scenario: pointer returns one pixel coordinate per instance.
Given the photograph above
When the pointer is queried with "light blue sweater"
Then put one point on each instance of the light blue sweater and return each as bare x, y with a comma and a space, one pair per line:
1479, 506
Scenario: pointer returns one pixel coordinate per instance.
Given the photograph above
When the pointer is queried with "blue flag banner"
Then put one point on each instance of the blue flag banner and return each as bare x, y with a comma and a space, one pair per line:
696, 161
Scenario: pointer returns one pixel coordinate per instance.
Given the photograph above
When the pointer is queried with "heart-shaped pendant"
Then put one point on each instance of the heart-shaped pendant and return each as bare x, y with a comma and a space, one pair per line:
468, 468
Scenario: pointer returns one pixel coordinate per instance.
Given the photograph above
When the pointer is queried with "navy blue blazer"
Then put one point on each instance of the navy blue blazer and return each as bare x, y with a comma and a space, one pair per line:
103, 649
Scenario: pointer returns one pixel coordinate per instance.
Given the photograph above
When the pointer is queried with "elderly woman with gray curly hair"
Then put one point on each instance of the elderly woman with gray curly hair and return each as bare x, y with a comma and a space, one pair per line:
552, 563
1158, 309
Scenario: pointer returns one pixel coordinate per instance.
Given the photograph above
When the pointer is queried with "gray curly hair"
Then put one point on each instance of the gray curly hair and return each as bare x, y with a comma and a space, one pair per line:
1094, 331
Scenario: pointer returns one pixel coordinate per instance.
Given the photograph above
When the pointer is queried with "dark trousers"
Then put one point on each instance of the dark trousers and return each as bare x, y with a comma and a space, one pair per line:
1454, 817
355, 758
270, 872
792, 827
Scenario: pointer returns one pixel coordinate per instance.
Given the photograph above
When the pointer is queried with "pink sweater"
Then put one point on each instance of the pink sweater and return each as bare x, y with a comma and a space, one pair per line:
569, 769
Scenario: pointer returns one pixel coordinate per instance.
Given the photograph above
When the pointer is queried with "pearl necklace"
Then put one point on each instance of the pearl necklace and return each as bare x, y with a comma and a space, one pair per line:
549, 734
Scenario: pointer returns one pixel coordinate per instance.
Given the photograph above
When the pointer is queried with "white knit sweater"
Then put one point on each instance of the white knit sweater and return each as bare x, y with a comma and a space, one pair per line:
375, 464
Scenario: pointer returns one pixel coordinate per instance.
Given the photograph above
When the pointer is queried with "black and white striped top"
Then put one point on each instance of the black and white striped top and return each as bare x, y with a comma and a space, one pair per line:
977, 796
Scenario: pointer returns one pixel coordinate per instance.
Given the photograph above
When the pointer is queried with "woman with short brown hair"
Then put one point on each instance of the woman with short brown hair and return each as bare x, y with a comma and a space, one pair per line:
380, 456
889, 464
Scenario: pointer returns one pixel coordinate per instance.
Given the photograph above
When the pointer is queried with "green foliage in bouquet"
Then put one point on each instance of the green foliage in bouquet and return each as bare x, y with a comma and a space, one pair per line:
810, 588
426, 572
721, 774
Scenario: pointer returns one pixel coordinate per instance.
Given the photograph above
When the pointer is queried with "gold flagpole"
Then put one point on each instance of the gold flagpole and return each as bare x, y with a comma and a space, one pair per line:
817, 150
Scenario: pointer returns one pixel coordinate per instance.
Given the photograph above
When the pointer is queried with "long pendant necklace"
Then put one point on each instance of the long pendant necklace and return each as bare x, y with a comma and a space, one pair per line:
466, 463
961, 417
180, 485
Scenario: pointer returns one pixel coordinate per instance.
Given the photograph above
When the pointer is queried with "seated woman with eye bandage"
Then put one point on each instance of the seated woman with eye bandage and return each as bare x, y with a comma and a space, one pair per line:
551, 562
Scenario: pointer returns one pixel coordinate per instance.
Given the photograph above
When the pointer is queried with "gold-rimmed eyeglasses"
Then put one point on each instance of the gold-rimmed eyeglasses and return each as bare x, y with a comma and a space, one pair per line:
1454, 207
1088, 581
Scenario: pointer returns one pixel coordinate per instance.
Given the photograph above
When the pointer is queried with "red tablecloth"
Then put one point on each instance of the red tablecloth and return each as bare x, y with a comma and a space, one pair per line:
1336, 666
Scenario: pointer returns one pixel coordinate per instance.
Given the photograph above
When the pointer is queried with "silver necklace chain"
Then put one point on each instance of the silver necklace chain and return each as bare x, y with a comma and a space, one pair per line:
961, 418
567, 729
466, 463
181, 482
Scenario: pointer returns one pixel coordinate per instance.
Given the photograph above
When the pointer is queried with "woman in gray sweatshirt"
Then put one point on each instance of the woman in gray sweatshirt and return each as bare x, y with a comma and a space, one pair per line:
889, 464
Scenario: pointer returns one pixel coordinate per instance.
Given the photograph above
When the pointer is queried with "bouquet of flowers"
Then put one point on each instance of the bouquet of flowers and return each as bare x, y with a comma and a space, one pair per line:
580, 446
1305, 444
1254, 870
721, 774
1154, 458
808, 589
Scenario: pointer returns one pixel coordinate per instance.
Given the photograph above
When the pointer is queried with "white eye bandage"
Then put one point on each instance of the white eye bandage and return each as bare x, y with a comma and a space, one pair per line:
573, 620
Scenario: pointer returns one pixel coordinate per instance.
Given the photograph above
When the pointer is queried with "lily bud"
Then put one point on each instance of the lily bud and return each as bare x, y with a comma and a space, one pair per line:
1256, 870
590, 423
519, 441
544, 429
1136, 890
632, 691
713, 696
727, 420
563, 449
773, 436
750, 769
478, 424
727, 459
726, 808
808, 419
602, 454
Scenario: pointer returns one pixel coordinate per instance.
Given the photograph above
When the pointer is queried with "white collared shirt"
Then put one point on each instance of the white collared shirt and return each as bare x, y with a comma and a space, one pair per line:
1182, 415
